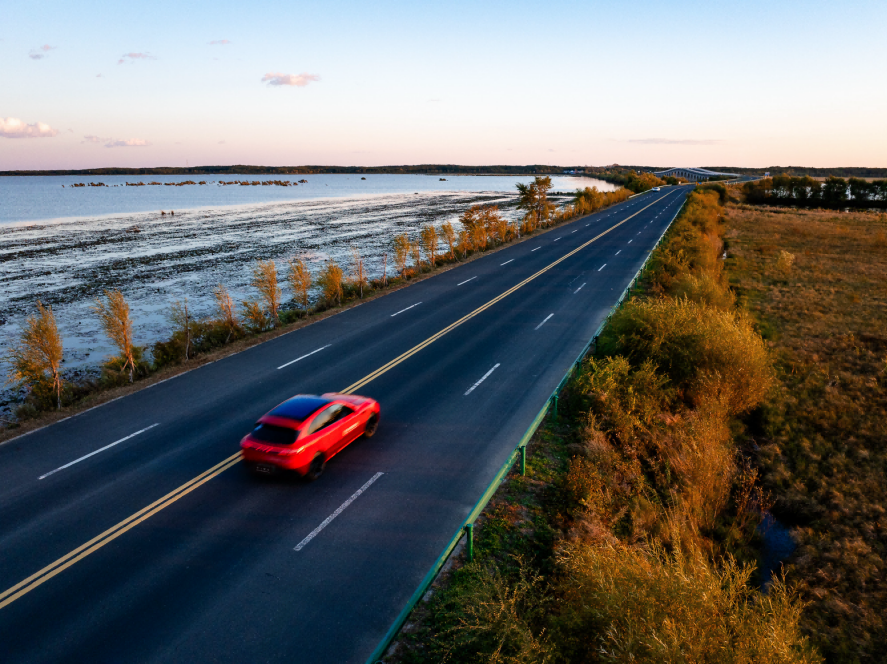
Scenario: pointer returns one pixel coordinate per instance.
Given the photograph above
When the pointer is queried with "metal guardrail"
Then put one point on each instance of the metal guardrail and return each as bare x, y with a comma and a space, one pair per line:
519, 453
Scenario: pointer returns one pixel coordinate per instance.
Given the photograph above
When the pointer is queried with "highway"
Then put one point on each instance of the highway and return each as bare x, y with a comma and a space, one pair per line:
131, 533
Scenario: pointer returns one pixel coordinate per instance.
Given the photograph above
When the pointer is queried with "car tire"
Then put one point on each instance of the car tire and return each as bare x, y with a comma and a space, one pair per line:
315, 468
371, 426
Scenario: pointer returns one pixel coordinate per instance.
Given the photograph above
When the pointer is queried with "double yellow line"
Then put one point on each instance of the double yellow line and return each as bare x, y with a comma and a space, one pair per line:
7, 597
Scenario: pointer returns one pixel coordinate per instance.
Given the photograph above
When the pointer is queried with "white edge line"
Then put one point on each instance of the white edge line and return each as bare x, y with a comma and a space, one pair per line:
407, 309
101, 449
506, 262
342, 507
579, 289
543, 322
482, 379
466, 281
303, 357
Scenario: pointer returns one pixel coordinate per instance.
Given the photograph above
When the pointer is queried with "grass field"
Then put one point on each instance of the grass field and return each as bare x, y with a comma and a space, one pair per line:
816, 284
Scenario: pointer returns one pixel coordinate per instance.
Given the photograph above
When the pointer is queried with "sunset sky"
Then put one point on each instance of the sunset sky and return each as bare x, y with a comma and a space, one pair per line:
352, 83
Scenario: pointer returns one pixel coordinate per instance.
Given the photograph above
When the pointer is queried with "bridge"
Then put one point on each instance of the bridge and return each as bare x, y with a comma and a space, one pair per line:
692, 174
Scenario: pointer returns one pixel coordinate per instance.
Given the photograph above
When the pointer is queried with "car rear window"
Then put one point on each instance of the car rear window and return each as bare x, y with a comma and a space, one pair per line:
268, 433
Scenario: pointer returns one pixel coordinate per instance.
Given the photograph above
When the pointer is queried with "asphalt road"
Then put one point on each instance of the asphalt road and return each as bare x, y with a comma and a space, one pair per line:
210, 571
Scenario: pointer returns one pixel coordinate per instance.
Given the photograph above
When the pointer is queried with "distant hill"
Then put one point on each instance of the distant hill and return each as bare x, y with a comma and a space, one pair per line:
421, 169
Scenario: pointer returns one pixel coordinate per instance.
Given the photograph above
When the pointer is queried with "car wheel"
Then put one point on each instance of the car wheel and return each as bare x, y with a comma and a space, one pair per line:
315, 470
372, 425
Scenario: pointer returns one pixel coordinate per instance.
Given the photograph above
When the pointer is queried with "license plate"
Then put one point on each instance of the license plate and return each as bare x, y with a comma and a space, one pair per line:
264, 468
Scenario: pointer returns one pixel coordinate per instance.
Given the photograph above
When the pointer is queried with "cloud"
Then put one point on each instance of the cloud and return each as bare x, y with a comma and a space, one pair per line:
15, 128
300, 80
135, 56
221, 142
98, 76
91, 139
36, 53
129, 143
675, 141
220, 42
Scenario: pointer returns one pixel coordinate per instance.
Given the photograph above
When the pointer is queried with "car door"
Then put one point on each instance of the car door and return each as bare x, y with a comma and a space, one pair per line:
346, 427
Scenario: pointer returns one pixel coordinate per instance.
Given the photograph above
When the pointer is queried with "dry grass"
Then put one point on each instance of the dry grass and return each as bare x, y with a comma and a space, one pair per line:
823, 452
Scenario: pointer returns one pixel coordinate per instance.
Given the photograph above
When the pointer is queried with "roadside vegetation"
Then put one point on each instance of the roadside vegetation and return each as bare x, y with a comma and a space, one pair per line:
634, 535
285, 295
814, 281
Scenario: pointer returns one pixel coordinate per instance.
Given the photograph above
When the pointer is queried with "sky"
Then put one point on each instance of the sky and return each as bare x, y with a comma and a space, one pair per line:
93, 84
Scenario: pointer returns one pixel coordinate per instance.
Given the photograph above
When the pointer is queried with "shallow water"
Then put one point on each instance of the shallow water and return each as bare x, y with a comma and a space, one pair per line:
156, 259
778, 545
52, 198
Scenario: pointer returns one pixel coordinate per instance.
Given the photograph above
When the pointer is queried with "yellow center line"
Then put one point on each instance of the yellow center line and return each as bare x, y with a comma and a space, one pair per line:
38, 578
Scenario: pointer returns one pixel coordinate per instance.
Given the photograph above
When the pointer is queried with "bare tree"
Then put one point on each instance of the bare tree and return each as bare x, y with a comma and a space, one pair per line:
265, 281
385, 269
113, 312
37, 358
359, 279
181, 319
299, 278
227, 312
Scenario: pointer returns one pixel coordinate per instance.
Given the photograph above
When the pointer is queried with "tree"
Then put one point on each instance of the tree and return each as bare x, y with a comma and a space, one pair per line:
113, 312
37, 358
227, 312
330, 281
429, 243
299, 278
533, 197
265, 281
254, 312
401, 252
448, 235
360, 278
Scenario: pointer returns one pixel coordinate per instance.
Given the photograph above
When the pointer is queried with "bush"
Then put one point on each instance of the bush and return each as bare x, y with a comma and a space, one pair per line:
630, 604
706, 353
703, 289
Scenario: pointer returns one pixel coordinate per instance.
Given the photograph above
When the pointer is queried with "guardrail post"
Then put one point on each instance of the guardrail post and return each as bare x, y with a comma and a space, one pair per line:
523, 460
469, 534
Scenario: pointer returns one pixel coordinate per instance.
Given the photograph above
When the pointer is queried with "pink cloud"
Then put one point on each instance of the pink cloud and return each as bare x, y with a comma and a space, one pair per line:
91, 139
300, 80
135, 56
219, 42
129, 143
36, 54
15, 128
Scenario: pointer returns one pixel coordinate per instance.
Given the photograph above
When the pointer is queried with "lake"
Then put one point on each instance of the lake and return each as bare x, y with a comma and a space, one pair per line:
66, 246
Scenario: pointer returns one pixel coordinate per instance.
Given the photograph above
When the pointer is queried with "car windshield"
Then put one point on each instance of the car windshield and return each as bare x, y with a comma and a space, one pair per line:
268, 433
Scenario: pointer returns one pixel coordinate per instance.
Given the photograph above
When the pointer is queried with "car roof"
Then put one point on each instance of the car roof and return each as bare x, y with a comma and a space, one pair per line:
300, 406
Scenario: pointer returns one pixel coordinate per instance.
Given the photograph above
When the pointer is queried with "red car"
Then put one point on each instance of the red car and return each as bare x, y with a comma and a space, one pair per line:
305, 432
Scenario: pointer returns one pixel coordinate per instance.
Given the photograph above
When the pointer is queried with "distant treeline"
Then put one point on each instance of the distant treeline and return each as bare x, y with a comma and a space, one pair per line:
420, 169
843, 172
807, 192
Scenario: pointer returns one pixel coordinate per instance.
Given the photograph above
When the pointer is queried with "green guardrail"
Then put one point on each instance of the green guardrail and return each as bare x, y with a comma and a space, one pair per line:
519, 453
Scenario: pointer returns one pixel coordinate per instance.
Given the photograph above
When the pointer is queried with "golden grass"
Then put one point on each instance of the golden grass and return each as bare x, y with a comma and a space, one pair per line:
823, 452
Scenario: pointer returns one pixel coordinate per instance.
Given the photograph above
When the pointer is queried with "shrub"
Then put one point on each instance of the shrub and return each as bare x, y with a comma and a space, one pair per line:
496, 621
35, 361
704, 289
706, 352
631, 604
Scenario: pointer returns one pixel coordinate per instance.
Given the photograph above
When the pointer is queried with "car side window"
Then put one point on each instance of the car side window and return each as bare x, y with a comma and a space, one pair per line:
344, 412
324, 418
